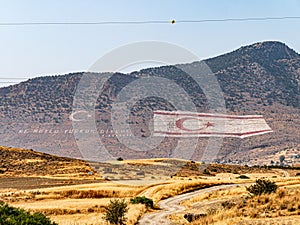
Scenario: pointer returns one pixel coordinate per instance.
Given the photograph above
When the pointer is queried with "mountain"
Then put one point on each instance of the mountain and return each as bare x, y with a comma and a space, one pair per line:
262, 78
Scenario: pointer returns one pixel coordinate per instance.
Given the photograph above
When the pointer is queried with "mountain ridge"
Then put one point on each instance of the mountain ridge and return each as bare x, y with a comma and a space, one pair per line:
262, 78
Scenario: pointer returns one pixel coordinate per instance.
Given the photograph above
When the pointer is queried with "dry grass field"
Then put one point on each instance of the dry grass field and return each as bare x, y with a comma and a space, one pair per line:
236, 206
73, 192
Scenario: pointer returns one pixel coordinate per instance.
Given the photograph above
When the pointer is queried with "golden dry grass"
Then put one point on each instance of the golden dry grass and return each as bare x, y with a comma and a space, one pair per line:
84, 211
64, 206
288, 181
75, 203
23, 162
166, 190
235, 206
80, 219
292, 220
219, 194
85, 191
240, 190
84, 203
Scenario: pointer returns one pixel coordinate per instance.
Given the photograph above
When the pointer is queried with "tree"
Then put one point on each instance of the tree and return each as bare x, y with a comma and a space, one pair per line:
143, 200
281, 158
262, 187
115, 212
14, 216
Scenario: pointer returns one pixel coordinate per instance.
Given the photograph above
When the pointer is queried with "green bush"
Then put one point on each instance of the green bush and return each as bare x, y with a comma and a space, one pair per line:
143, 200
262, 187
243, 177
14, 216
115, 212
206, 172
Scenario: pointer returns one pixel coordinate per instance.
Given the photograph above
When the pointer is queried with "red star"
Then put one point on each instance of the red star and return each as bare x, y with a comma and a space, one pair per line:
209, 124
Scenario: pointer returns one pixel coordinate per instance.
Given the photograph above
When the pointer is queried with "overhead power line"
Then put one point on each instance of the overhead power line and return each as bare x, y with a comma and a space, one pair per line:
173, 21
240, 19
13, 78
7, 82
85, 23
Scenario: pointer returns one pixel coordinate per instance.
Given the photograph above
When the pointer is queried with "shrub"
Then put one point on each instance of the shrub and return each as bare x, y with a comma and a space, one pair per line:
262, 187
143, 200
228, 204
243, 177
214, 170
115, 212
190, 217
281, 193
14, 216
206, 172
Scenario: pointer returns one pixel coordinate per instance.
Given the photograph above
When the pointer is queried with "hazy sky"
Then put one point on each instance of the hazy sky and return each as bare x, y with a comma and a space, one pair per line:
29, 51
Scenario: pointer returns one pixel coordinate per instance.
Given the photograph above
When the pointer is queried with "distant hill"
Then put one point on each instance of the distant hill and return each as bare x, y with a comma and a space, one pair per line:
23, 162
262, 78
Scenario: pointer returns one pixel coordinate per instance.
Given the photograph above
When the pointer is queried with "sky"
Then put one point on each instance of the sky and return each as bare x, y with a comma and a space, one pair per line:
31, 51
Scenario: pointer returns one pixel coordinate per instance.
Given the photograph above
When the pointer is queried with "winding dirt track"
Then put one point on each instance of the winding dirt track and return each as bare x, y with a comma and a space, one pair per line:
171, 205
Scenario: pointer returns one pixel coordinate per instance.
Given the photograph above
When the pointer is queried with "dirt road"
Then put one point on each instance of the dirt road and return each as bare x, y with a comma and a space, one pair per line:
171, 205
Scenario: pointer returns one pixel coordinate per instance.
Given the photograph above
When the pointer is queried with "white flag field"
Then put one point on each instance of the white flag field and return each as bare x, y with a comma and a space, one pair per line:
190, 124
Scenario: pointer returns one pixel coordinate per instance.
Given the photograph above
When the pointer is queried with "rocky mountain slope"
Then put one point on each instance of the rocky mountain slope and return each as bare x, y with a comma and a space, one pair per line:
262, 78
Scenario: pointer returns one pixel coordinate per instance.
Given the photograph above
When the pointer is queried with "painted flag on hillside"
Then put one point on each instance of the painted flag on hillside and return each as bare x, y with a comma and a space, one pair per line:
189, 124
